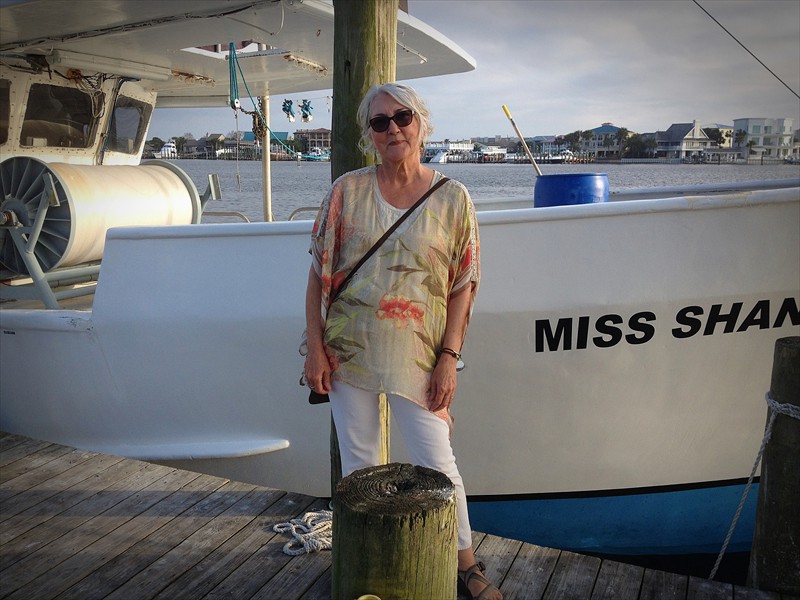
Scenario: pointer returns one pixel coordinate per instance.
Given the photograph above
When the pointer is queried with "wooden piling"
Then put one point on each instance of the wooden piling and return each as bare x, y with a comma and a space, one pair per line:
364, 54
395, 534
775, 556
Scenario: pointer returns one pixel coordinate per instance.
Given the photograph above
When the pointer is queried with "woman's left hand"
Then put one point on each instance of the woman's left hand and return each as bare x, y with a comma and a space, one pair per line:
442, 388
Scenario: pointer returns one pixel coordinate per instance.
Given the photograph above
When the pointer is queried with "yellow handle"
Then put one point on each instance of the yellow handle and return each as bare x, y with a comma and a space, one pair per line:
522, 139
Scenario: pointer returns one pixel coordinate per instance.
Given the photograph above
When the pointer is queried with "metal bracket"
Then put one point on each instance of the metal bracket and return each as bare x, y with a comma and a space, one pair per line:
42, 284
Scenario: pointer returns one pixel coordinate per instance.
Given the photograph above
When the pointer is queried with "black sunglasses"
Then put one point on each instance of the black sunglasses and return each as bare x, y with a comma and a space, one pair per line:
403, 118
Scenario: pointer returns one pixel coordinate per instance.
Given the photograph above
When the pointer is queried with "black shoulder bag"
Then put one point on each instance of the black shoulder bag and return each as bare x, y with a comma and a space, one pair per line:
315, 397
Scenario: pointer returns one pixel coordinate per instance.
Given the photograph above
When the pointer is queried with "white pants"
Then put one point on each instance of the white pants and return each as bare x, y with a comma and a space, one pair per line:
427, 439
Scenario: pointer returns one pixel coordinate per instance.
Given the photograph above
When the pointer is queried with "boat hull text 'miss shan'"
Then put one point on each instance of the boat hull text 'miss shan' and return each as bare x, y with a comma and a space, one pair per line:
618, 355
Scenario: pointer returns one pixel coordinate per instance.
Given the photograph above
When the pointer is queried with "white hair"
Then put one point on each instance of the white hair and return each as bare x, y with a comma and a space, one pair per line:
405, 95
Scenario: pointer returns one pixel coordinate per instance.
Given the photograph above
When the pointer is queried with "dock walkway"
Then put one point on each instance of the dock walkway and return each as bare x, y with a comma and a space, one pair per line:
82, 525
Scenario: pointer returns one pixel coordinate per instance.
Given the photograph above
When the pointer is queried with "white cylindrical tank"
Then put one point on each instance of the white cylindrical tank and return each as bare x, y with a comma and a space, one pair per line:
90, 200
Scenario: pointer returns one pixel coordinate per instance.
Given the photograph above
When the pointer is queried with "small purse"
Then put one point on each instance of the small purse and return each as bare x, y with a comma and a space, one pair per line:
316, 397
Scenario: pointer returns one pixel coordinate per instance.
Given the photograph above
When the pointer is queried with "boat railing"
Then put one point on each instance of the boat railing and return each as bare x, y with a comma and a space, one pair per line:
226, 213
302, 209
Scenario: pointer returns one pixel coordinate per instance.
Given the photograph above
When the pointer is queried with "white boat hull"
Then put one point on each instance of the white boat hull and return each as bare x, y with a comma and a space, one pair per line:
189, 355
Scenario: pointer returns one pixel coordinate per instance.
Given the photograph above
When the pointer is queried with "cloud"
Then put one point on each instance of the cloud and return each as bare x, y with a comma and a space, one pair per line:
571, 65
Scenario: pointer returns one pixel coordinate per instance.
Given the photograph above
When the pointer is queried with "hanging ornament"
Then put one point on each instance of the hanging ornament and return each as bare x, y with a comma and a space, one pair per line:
305, 109
287, 108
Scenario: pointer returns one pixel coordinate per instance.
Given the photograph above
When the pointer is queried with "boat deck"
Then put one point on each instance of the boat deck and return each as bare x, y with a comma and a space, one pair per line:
78, 524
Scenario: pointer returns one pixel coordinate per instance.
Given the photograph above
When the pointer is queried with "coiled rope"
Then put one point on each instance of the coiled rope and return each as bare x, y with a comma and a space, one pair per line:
310, 533
775, 408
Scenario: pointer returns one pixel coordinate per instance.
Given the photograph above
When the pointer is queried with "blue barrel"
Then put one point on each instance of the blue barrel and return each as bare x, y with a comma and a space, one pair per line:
570, 188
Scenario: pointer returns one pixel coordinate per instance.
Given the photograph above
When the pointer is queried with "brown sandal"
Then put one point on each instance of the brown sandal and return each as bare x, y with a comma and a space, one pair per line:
475, 571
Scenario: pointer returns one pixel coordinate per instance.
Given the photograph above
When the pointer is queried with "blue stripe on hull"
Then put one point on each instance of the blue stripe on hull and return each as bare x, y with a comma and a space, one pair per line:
665, 522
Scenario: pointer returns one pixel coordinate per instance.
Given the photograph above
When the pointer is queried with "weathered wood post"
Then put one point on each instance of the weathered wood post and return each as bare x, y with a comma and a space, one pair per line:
775, 556
395, 534
364, 54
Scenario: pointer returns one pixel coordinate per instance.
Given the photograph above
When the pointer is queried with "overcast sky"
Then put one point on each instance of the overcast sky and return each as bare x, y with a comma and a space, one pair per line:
566, 65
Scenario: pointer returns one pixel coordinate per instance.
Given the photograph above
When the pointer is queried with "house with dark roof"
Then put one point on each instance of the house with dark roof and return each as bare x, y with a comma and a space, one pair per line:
246, 147
684, 140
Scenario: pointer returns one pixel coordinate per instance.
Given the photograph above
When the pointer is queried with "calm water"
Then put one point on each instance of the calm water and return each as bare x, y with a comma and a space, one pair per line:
296, 186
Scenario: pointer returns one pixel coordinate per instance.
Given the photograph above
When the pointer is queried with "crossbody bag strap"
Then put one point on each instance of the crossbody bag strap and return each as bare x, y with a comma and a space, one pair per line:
387, 233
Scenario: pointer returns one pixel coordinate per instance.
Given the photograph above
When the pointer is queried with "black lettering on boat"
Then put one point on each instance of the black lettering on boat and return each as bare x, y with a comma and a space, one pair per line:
789, 309
583, 333
688, 316
605, 326
717, 316
758, 317
567, 333
610, 328
639, 323
544, 333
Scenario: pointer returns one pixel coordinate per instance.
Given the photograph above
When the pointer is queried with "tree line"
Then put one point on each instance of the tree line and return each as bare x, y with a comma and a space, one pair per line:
636, 145
156, 143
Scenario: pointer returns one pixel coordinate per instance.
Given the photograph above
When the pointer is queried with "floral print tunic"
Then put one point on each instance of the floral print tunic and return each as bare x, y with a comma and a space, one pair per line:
385, 328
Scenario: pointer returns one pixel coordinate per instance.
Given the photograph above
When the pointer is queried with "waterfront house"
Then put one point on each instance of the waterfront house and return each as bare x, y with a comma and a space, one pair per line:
246, 147
684, 141
204, 147
603, 143
214, 142
545, 145
768, 137
725, 139
319, 139
190, 148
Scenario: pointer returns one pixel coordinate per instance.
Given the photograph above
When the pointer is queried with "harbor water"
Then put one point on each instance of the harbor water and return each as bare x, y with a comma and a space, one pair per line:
304, 184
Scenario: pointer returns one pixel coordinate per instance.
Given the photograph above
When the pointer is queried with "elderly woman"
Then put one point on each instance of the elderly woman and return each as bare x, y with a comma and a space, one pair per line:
398, 325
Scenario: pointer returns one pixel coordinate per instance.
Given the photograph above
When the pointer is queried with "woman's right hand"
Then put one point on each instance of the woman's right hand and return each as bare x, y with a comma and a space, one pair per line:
318, 368
319, 360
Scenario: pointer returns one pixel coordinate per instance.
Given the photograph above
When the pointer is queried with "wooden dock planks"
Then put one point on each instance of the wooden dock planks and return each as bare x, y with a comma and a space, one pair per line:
81, 525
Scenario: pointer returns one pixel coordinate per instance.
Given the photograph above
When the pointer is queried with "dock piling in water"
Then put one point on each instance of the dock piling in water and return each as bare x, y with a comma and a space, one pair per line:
775, 557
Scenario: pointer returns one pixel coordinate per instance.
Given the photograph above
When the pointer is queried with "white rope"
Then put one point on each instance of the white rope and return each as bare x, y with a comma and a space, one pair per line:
775, 408
310, 533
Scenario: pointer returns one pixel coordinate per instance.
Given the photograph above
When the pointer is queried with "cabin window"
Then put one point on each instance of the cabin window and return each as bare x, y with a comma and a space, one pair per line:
5, 109
128, 125
58, 116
